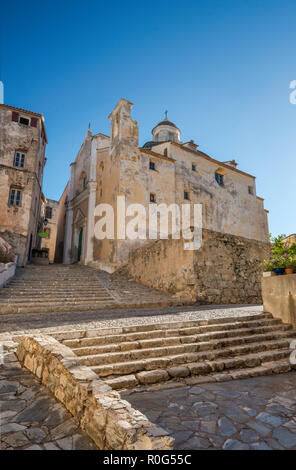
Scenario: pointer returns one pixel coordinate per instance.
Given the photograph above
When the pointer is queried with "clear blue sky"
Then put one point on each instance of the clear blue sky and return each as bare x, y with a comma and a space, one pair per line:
221, 67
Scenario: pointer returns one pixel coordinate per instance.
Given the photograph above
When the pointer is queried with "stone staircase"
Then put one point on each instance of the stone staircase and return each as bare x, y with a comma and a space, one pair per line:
60, 288
192, 351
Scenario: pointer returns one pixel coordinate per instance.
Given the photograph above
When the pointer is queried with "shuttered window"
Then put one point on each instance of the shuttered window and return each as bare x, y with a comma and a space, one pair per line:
15, 116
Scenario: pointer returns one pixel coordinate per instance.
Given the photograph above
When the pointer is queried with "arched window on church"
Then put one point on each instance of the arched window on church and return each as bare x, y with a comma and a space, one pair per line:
82, 181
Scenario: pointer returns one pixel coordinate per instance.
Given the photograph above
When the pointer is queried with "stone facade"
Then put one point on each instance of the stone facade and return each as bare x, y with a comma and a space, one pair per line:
22, 158
51, 211
166, 169
108, 420
290, 239
226, 269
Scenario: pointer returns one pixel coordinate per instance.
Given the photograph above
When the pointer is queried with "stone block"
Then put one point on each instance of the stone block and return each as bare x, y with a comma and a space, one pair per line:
178, 371
152, 376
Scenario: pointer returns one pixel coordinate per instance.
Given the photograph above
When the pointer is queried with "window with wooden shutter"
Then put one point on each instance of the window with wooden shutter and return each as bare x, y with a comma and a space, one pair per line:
15, 116
34, 122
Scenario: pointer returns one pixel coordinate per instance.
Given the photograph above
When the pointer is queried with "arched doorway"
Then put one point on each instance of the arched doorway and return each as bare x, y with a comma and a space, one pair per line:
80, 243
30, 248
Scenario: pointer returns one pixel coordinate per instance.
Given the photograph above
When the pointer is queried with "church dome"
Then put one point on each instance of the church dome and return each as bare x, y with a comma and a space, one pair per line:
165, 131
165, 122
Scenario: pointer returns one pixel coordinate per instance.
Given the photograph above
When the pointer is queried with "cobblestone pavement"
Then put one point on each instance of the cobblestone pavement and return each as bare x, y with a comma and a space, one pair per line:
252, 414
30, 417
50, 322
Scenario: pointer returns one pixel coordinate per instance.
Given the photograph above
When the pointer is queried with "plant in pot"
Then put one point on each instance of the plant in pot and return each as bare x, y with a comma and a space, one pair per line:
290, 265
268, 267
279, 263
44, 252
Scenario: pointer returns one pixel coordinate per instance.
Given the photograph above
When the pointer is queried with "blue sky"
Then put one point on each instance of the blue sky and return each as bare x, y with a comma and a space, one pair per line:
222, 68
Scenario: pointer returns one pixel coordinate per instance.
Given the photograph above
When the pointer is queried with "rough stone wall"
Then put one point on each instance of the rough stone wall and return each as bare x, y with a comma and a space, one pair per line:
17, 224
226, 269
108, 420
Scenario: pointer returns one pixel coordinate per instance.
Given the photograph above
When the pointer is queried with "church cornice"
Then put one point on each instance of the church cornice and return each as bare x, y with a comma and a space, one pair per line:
207, 157
157, 155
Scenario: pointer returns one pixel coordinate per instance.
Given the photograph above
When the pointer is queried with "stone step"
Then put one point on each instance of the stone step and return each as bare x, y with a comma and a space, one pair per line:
131, 336
163, 352
66, 335
121, 346
217, 371
89, 306
54, 299
124, 368
48, 294
45, 283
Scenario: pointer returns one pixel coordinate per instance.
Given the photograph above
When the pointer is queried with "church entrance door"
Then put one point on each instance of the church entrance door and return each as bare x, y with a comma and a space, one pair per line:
80, 243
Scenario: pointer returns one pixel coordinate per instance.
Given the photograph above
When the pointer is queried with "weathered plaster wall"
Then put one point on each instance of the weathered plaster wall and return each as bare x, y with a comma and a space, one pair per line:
17, 224
225, 270
228, 208
50, 242
61, 222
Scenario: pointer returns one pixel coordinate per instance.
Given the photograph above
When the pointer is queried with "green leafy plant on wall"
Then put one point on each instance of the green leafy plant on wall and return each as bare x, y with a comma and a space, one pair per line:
283, 254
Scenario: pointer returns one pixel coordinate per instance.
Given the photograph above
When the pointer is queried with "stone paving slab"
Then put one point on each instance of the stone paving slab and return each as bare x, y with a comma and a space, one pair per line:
251, 414
30, 417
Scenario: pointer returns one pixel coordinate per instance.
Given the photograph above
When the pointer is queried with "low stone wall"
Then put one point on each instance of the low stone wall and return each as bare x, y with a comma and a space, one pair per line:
226, 269
279, 297
7, 272
108, 420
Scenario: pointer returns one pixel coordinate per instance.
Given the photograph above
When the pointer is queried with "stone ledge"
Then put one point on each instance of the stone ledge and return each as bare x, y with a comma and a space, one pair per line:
108, 420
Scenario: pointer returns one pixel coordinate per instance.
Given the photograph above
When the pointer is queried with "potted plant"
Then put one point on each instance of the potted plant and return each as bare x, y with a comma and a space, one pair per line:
268, 268
290, 265
280, 264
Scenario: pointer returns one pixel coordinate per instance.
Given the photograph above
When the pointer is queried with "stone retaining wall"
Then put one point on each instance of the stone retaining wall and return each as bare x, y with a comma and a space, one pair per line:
226, 269
108, 420
279, 297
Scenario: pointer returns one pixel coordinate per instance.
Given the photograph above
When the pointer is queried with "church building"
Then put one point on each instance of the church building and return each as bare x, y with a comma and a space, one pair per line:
164, 170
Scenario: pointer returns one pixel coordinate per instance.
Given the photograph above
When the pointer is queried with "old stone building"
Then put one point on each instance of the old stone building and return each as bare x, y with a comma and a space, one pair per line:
164, 170
22, 158
51, 209
290, 239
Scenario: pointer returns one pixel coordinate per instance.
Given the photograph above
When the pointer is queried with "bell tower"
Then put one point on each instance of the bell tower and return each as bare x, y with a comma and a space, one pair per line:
124, 129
